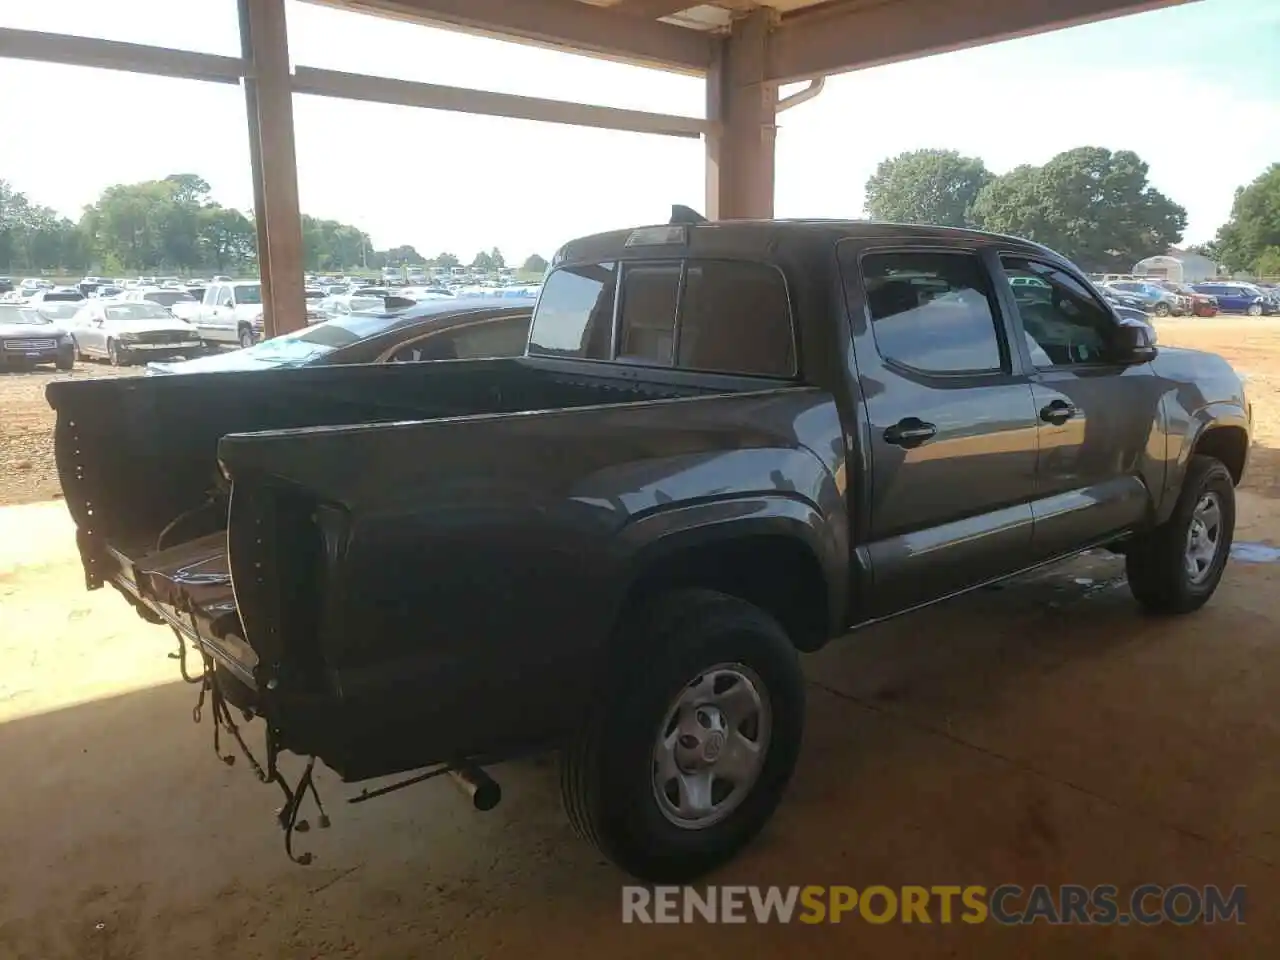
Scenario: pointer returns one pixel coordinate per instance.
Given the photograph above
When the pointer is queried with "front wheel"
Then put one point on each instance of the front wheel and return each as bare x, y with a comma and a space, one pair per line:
117, 355
695, 739
1176, 567
1255, 310
66, 360
1162, 310
247, 338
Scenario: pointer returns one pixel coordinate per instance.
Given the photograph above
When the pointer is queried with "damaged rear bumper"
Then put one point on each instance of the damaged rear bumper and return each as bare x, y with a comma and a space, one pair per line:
189, 588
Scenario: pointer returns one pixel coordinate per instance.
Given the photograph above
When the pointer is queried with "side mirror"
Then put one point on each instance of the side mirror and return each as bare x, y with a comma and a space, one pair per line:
1135, 342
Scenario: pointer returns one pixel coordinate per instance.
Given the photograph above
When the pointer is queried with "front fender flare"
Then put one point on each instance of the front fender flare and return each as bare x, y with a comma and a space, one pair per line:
1222, 413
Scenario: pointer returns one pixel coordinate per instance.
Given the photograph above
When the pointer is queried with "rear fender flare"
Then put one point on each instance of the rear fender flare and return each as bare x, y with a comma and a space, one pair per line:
651, 539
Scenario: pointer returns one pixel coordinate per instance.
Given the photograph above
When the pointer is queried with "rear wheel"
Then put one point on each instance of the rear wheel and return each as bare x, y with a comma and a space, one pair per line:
1176, 567
695, 740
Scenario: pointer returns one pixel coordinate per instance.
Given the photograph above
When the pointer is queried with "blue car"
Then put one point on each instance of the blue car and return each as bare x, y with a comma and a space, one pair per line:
1239, 298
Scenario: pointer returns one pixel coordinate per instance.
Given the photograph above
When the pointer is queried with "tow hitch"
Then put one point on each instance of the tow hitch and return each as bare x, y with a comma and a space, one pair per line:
483, 791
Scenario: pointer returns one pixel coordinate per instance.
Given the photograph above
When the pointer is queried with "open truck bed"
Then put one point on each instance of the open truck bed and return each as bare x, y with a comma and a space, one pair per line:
318, 533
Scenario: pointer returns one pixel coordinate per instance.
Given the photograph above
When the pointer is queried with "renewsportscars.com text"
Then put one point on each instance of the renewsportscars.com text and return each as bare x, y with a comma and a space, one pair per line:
1007, 904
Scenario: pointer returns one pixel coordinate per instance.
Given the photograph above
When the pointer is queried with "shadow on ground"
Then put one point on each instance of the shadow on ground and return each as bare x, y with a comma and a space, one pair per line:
1041, 733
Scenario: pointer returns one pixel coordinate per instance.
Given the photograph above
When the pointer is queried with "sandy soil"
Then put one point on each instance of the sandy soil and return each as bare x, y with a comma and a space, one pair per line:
1040, 733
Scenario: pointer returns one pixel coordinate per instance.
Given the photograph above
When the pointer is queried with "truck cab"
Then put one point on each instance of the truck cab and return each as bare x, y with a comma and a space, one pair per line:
231, 313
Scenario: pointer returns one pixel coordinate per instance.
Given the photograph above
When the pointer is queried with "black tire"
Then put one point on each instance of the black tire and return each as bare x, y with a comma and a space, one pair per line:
247, 339
79, 354
1156, 562
1255, 310
607, 775
1162, 310
66, 361
117, 355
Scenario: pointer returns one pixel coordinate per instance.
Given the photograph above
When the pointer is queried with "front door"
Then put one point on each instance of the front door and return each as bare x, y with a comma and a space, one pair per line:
1097, 419
952, 426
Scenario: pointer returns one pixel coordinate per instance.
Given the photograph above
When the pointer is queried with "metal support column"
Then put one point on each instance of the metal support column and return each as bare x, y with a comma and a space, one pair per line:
740, 158
268, 88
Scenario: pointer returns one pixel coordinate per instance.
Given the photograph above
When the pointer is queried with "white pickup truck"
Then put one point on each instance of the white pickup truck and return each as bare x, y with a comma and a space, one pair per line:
231, 313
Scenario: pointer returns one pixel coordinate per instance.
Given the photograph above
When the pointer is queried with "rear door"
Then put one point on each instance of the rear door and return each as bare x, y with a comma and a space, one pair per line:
952, 426
1096, 418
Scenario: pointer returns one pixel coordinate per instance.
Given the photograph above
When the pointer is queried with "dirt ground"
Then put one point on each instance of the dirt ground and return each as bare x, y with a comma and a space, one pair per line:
1044, 732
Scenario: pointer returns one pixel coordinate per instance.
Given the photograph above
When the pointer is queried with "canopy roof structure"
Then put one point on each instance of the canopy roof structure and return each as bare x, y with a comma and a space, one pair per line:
745, 49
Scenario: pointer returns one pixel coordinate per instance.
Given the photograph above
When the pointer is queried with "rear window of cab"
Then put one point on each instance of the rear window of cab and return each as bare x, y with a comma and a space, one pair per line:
714, 316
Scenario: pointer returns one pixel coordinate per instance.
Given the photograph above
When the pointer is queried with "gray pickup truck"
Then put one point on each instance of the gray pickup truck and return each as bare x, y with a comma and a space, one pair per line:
727, 444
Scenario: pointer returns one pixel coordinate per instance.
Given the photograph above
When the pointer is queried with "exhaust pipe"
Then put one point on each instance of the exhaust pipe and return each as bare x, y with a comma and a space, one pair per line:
478, 785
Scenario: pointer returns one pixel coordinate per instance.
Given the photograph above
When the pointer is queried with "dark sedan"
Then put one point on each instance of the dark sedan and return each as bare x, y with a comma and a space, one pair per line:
431, 330
29, 337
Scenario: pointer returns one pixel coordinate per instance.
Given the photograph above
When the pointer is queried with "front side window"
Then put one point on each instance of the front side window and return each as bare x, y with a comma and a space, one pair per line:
932, 311
575, 313
1067, 327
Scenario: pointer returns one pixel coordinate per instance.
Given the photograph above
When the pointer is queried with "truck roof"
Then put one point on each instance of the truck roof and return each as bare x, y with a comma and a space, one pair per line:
760, 238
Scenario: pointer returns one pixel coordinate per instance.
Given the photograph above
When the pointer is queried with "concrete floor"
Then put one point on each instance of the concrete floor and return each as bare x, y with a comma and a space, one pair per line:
1041, 733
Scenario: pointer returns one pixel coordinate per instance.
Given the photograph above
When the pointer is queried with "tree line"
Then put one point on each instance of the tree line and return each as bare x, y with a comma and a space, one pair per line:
173, 225
1094, 206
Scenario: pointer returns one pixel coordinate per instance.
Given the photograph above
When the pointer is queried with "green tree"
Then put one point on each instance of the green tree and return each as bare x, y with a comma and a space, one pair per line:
1090, 204
406, 254
483, 262
926, 186
534, 264
496, 260
228, 239
1253, 230
447, 260
1267, 263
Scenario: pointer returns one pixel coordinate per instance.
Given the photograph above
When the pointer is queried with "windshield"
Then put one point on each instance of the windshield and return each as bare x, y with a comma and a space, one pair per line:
249, 293
125, 312
13, 313
57, 311
167, 298
63, 296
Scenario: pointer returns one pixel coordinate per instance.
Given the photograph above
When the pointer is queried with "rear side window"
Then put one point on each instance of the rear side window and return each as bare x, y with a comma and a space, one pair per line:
735, 318
647, 322
932, 311
575, 313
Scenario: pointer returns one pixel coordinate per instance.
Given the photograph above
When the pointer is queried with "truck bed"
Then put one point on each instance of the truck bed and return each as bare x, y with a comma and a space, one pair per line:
319, 530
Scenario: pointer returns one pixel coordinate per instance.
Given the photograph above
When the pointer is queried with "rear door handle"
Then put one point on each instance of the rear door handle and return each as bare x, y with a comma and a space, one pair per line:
1058, 412
909, 432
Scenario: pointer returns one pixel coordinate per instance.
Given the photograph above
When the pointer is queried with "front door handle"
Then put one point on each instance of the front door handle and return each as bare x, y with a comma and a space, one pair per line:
1058, 412
910, 432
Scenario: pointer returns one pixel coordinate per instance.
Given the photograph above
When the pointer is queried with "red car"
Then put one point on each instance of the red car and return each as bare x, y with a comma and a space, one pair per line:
1202, 304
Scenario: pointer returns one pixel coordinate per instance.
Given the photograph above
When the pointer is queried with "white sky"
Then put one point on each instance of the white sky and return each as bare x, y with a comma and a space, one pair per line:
1177, 86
